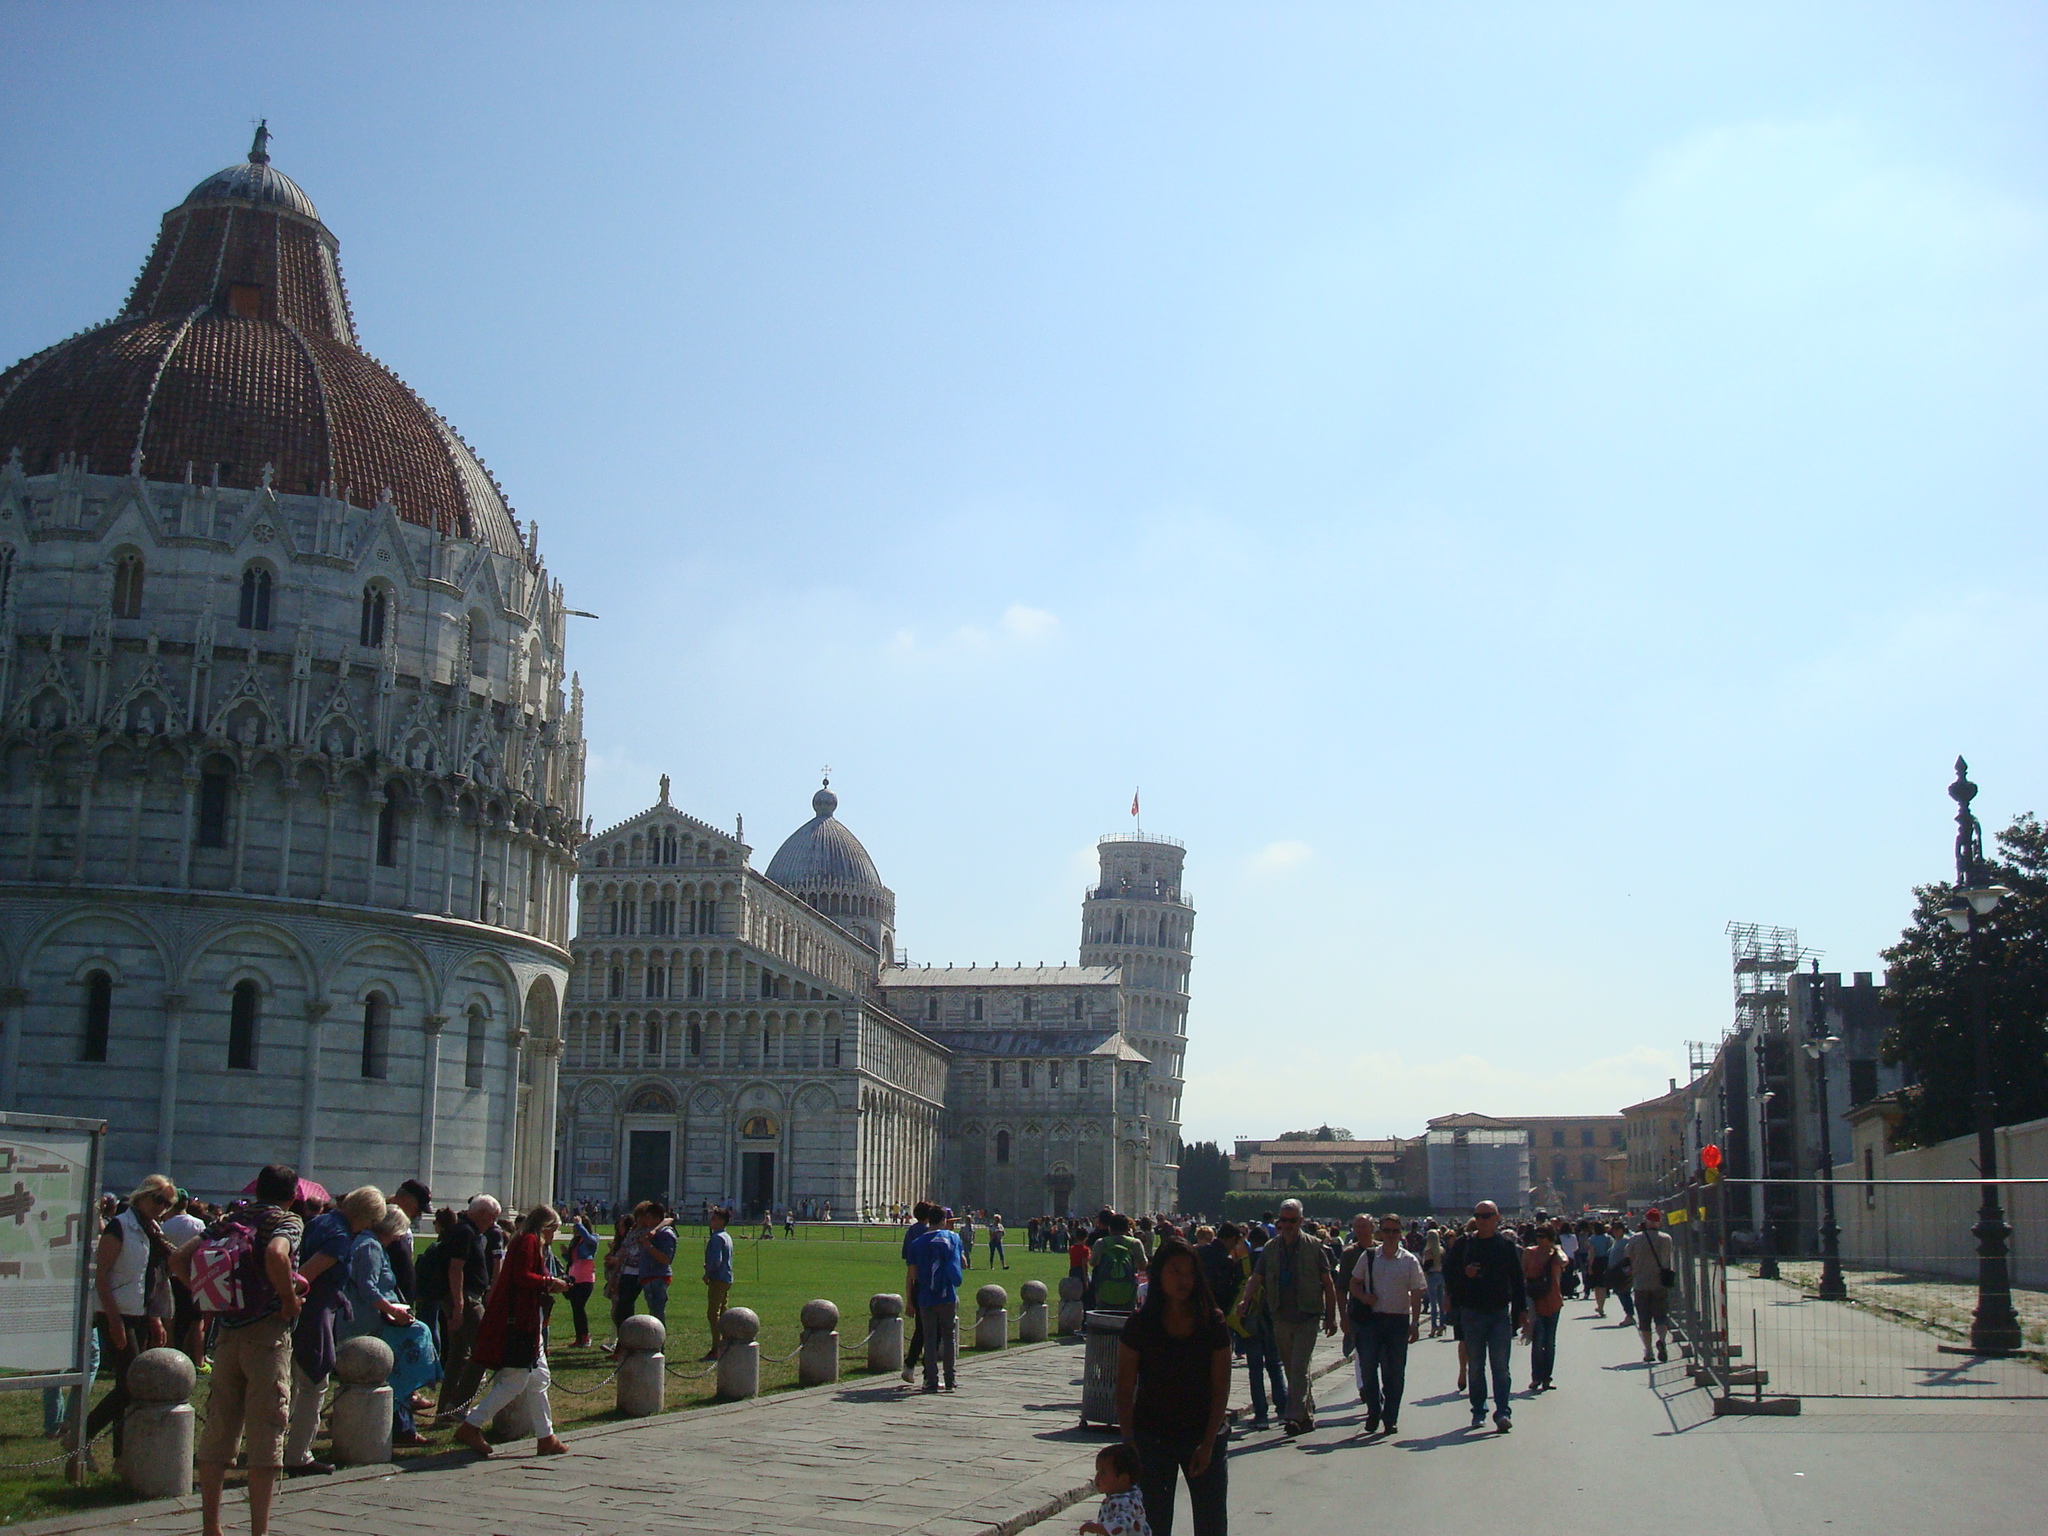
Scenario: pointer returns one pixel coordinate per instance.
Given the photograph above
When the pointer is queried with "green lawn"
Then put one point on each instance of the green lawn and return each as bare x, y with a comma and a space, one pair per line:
843, 1264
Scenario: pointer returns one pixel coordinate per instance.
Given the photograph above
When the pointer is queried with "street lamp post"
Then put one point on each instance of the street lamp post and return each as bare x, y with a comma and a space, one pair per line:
1818, 1044
1767, 1264
1995, 1330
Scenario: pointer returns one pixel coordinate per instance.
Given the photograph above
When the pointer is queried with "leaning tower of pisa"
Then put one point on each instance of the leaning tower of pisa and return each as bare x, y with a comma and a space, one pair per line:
1138, 918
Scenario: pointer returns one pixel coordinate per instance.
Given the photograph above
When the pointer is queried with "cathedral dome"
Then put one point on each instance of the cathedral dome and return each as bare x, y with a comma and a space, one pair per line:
235, 362
822, 852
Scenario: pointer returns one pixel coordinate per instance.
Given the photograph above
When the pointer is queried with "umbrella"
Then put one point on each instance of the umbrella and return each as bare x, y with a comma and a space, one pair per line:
307, 1190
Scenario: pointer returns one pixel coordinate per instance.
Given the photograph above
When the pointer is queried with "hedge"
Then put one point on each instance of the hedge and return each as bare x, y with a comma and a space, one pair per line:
1324, 1204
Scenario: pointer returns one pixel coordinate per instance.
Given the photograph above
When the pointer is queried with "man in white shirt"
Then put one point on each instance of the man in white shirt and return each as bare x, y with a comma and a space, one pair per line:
1387, 1291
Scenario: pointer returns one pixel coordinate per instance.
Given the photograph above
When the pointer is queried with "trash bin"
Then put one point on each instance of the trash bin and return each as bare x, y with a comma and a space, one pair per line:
1104, 1331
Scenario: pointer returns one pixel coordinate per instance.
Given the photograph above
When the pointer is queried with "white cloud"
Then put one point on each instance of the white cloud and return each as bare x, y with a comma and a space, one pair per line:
1278, 858
1021, 628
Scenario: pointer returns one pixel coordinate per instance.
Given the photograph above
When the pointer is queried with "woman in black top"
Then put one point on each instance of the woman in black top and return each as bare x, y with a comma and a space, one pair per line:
1172, 1384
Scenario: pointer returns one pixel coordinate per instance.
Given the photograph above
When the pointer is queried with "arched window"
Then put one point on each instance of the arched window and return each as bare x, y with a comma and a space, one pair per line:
473, 1050
995, 1074
615, 983
243, 1017
1002, 1146
479, 646
215, 788
128, 586
387, 826
376, 1035
255, 610
99, 1016
696, 1039
376, 606
653, 1045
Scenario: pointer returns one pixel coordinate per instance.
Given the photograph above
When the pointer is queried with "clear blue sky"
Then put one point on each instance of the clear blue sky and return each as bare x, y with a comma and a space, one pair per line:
1518, 485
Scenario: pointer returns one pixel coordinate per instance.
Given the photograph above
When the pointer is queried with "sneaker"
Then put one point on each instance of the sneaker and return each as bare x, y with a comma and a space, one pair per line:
1391, 1427
315, 1468
1503, 1423
1478, 1417
1261, 1424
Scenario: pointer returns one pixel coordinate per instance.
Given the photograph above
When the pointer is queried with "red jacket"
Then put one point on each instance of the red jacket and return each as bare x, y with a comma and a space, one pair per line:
512, 1310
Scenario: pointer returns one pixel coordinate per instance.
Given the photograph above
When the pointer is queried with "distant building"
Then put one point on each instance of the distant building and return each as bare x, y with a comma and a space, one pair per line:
1285, 1166
1471, 1158
747, 1036
1654, 1161
1567, 1156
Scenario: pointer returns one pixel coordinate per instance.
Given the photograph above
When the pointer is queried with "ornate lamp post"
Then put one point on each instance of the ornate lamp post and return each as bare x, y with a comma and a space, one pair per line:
1996, 1328
1818, 1044
1767, 1265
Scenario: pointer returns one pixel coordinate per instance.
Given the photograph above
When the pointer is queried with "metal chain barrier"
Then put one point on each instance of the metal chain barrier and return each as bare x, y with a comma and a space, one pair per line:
690, 1375
562, 1386
84, 1451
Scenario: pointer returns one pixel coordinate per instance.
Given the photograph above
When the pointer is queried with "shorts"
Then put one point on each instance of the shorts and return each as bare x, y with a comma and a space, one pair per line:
1653, 1306
251, 1398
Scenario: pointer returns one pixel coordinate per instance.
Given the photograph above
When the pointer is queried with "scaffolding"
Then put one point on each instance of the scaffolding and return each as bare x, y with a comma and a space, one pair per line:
1764, 960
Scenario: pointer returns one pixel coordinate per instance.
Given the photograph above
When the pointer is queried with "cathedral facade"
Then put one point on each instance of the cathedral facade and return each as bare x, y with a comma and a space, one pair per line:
290, 765
741, 1036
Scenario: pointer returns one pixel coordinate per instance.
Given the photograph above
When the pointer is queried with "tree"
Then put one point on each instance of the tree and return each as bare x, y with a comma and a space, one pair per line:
1320, 1133
1204, 1176
1929, 985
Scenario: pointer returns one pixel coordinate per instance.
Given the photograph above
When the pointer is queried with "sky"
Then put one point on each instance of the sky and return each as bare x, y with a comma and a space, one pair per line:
1516, 487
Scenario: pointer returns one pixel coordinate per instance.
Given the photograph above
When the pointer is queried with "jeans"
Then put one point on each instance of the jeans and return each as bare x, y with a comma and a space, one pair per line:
57, 1400
1433, 1305
1295, 1341
624, 1295
1161, 1465
1489, 1335
1383, 1364
1627, 1297
579, 1307
1264, 1361
1543, 1339
996, 1254
915, 1349
655, 1294
935, 1318
113, 1408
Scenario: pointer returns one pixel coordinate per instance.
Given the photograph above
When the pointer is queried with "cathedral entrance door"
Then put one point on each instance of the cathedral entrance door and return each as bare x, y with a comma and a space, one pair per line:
757, 1181
646, 1165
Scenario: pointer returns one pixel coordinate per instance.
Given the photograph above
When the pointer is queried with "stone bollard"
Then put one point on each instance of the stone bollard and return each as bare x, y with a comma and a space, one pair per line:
992, 1320
361, 1427
817, 1357
1031, 1324
885, 1333
739, 1361
1073, 1311
643, 1389
156, 1436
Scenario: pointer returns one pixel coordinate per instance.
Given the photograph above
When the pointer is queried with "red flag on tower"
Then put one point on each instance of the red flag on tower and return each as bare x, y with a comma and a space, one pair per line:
1134, 802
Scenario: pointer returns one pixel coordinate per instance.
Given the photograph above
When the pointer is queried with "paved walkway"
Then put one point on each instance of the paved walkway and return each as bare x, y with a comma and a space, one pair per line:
1635, 1447
869, 1458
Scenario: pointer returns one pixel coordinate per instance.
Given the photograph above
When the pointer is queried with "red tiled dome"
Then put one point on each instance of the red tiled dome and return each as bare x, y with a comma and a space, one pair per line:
236, 350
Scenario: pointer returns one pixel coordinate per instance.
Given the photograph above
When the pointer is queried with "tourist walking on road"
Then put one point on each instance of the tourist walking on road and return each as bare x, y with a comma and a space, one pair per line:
936, 1269
1293, 1283
1172, 1386
966, 1236
1484, 1274
249, 1403
1543, 1272
1651, 1274
1601, 1248
1387, 1291
1432, 1257
923, 1216
511, 1339
717, 1273
1118, 1261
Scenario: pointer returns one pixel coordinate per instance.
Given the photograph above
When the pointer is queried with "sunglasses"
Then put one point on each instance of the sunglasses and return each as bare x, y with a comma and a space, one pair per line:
1287, 1221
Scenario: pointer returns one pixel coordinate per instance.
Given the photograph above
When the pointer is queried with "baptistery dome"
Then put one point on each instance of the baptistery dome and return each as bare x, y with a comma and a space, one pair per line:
824, 864
235, 363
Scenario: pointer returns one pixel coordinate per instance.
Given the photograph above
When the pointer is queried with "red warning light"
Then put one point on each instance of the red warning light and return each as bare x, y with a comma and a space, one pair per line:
1710, 1156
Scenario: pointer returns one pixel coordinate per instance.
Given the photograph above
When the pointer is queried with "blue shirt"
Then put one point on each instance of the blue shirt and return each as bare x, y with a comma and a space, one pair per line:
937, 1258
917, 1230
718, 1257
327, 1234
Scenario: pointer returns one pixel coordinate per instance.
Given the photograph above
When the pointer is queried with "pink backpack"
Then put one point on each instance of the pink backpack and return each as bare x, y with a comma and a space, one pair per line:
228, 1277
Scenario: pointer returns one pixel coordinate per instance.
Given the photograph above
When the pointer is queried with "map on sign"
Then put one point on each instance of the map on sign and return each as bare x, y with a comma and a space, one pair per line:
45, 1192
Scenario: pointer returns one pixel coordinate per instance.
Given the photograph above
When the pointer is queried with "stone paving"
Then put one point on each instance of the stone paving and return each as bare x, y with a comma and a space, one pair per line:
868, 1458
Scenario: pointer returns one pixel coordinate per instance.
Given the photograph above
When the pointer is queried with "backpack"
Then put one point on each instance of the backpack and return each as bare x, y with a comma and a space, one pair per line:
1116, 1273
228, 1277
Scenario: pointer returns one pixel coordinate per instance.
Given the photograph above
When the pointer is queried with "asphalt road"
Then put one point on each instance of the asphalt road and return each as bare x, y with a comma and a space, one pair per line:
1626, 1448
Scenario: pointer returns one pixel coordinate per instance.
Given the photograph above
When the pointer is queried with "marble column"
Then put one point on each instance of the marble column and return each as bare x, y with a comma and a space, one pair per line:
167, 1080
311, 1057
431, 1026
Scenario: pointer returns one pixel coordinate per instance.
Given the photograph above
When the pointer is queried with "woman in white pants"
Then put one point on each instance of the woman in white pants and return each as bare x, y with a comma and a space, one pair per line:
512, 1337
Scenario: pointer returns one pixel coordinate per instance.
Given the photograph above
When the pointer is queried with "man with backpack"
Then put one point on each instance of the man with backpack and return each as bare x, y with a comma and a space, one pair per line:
243, 1270
933, 1276
1119, 1258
